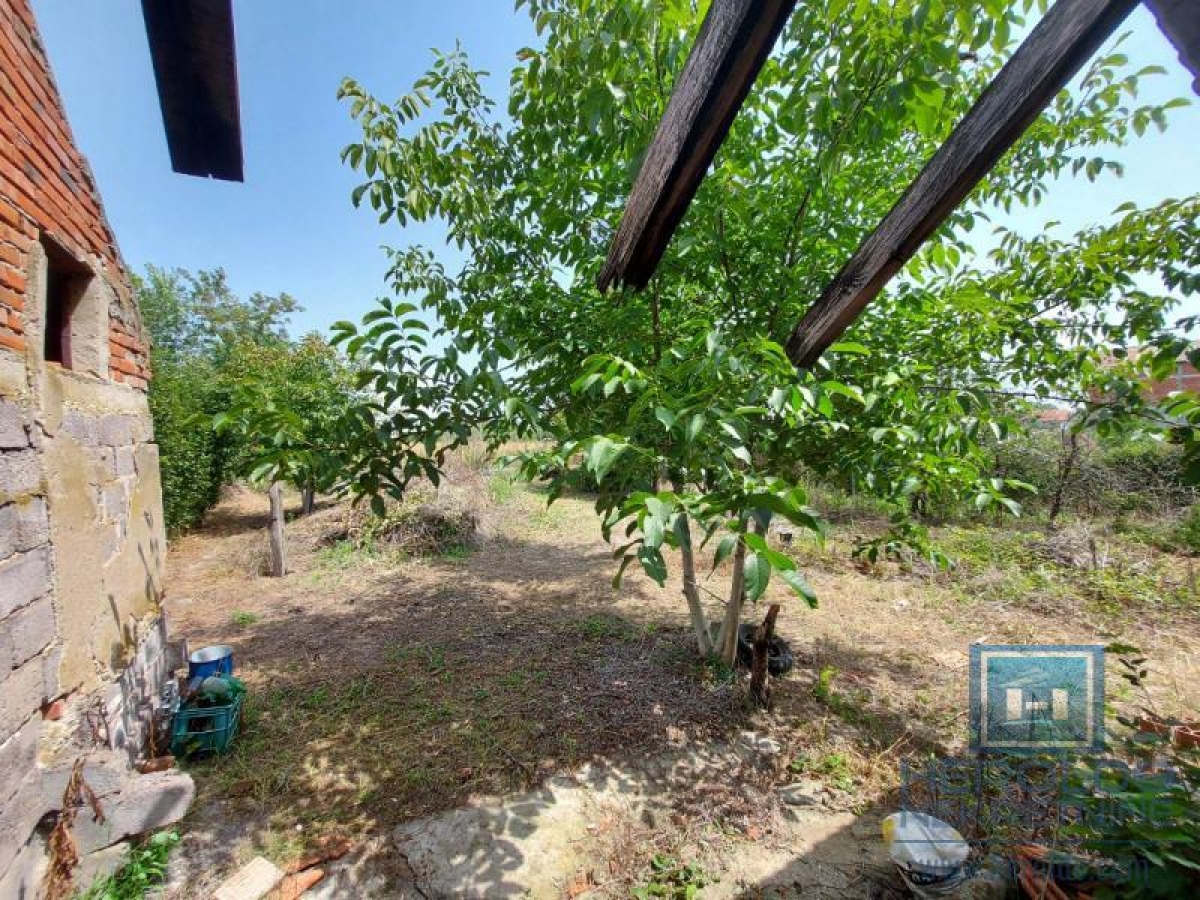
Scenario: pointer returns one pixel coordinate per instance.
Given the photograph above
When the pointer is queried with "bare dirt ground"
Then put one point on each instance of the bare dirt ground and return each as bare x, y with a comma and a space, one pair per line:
387, 691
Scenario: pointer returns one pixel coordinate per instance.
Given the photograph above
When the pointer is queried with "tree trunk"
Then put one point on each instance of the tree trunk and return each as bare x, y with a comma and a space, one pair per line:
758, 667
1065, 466
727, 641
690, 589
308, 499
278, 562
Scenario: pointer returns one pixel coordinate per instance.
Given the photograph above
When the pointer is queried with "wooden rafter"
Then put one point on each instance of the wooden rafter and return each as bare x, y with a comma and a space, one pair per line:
1180, 22
195, 68
733, 44
1054, 51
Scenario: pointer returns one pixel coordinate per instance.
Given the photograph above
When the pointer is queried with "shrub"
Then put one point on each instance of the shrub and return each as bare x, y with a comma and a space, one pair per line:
194, 462
1107, 478
1187, 533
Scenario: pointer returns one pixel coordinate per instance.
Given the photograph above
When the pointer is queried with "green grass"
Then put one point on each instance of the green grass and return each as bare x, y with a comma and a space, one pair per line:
517, 679
243, 619
501, 488
1009, 566
834, 767
143, 871
346, 555
348, 753
550, 518
849, 707
598, 628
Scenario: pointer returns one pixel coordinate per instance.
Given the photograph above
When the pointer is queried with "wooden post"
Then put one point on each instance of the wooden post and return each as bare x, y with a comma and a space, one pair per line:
278, 564
758, 666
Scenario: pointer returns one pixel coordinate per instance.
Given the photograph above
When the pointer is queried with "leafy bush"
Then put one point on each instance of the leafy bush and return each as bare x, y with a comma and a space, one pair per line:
1150, 810
194, 462
1106, 478
209, 348
1148, 470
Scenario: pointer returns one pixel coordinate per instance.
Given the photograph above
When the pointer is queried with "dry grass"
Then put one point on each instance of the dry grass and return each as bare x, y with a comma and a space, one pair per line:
386, 685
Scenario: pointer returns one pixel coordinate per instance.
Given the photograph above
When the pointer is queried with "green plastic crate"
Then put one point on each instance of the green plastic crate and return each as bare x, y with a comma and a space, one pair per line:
202, 730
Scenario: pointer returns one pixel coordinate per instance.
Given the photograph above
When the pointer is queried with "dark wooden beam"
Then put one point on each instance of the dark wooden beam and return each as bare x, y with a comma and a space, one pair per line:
1054, 51
195, 68
1180, 22
733, 44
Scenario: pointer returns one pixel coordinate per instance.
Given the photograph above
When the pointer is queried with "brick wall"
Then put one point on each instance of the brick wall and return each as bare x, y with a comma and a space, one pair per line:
46, 187
1186, 378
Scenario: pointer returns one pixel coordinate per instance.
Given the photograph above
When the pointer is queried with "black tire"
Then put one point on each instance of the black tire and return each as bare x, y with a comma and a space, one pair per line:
779, 654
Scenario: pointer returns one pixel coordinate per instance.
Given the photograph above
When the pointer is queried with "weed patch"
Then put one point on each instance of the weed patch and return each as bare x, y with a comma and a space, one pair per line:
243, 619
672, 879
599, 628
1102, 571
834, 767
501, 488
849, 707
145, 870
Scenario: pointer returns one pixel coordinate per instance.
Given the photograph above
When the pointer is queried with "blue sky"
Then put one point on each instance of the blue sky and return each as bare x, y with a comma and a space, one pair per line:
290, 227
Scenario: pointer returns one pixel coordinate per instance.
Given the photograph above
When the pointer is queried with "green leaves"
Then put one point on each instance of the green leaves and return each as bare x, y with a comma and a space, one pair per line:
601, 454
767, 559
725, 548
653, 532
653, 563
757, 574
685, 385
800, 585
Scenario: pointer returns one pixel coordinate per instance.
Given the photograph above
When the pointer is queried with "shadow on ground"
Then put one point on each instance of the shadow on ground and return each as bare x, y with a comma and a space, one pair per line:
389, 698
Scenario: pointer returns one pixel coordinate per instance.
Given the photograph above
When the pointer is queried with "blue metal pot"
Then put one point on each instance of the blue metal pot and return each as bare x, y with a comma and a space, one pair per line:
215, 660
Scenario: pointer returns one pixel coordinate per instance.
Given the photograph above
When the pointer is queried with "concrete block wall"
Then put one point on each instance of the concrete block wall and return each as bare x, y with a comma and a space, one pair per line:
82, 543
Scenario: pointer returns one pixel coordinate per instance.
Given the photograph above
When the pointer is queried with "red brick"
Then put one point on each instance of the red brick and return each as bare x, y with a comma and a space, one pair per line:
126, 340
10, 277
47, 187
12, 341
124, 365
25, 14
66, 197
11, 299
11, 255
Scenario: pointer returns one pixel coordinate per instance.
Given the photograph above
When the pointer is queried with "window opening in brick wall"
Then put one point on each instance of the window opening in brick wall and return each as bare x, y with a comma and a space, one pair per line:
66, 283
